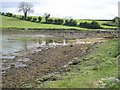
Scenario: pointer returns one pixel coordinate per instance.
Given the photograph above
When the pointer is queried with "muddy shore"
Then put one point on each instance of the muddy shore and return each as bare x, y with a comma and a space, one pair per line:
46, 61
41, 63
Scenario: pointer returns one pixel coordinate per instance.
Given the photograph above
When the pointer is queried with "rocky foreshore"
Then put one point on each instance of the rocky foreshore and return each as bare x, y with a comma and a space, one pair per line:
33, 64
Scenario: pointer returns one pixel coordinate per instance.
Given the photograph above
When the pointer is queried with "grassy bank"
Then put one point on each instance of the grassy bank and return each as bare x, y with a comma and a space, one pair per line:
8, 22
97, 69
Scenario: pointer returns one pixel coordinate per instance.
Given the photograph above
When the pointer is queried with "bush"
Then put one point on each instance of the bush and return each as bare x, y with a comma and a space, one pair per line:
58, 21
2, 13
116, 21
9, 14
70, 22
50, 21
14, 16
107, 24
109, 82
29, 18
92, 25
84, 25
39, 19
34, 19
21, 17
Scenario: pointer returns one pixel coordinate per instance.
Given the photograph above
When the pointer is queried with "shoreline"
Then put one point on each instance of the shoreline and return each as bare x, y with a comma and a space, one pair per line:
50, 60
39, 64
59, 29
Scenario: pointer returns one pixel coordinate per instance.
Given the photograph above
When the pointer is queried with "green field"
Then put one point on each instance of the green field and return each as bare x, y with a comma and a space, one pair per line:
8, 22
13, 22
100, 63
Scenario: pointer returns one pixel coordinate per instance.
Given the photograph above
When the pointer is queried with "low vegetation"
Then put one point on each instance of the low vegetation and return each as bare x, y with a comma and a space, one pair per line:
116, 21
92, 25
97, 69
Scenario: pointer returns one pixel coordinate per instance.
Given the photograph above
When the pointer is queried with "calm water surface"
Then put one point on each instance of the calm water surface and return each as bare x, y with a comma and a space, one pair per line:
11, 43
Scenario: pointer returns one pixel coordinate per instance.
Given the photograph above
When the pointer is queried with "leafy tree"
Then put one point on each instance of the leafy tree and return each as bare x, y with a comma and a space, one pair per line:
46, 17
26, 8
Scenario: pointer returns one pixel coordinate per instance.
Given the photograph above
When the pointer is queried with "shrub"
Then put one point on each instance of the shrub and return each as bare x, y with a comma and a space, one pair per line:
50, 21
107, 24
39, 19
116, 21
9, 14
34, 19
58, 21
84, 24
29, 18
5, 14
70, 22
109, 82
14, 16
92, 25
21, 17
2, 13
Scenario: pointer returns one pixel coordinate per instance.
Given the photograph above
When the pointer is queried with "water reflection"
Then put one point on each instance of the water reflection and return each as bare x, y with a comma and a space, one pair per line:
11, 44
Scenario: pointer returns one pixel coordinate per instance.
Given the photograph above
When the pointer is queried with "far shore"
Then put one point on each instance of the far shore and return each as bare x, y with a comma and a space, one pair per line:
58, 29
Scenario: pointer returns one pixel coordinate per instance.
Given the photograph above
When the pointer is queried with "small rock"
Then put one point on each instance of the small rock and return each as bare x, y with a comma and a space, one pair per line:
70, 63
71, 45
65, 66
12, 66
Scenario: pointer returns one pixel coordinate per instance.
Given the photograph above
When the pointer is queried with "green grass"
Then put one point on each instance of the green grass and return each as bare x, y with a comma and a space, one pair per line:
8, 22
100, 62
13, 22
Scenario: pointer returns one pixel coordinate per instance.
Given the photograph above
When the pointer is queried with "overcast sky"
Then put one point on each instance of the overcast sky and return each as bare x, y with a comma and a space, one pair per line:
81, 9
